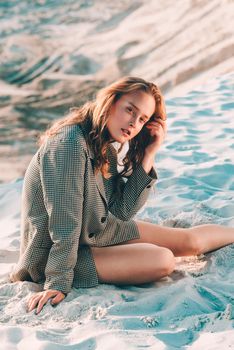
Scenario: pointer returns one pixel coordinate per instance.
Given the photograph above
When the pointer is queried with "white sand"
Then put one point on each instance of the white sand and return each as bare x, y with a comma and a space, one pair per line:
191, 309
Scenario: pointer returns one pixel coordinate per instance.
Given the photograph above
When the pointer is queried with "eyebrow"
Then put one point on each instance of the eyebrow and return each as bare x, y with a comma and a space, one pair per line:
138, 109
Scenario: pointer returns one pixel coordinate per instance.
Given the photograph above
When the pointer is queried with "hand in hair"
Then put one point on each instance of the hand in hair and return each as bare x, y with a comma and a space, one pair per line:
157, 130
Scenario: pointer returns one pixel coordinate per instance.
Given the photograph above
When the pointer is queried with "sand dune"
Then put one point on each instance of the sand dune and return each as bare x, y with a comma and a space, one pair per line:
56, 55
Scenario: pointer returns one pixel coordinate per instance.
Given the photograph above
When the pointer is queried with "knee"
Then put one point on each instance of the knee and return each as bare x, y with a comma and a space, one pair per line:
193, 243
166, 262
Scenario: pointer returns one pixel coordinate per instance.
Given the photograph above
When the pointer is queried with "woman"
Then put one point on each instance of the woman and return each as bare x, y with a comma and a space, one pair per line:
77, 221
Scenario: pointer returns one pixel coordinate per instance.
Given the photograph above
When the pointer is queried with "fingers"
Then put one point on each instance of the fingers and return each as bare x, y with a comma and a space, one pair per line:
38, 300
158, 117
33, 301
157, 125
41, 303
59, 297
158, 120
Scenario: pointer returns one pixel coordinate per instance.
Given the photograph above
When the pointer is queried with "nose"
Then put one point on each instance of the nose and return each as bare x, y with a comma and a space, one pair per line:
132, 123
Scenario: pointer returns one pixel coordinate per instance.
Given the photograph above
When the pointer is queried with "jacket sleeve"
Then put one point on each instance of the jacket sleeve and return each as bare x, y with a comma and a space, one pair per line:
133, 193
62, 176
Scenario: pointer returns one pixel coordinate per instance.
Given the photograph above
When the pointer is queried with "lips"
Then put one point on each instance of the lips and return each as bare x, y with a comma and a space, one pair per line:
126, 131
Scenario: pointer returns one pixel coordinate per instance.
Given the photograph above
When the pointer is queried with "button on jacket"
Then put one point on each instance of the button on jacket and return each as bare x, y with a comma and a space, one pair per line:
66, 209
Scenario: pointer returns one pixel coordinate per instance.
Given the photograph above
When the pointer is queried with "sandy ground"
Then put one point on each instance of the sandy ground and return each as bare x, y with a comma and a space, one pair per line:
192, 308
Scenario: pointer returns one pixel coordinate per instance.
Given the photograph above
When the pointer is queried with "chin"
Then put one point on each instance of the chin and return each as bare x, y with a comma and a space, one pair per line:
121, 140
117, 139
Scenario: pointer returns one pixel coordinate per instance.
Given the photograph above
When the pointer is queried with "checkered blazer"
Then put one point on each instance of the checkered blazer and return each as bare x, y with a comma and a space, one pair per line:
67, 208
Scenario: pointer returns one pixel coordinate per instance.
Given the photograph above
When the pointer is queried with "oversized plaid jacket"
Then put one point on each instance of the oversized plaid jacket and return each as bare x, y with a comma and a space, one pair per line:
67, 208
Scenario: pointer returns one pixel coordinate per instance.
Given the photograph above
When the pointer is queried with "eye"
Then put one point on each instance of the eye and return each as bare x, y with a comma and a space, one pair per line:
143, 120
129, 109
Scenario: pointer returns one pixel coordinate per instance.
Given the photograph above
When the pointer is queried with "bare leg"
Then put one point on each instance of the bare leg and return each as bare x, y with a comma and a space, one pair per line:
185, 241
132, 264
151, 257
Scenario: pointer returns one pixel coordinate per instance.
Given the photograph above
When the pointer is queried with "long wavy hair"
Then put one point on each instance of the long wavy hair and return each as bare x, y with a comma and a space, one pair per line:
94, 115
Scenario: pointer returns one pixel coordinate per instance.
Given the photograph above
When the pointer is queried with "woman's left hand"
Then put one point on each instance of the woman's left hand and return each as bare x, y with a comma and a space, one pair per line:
157, 129
38, 300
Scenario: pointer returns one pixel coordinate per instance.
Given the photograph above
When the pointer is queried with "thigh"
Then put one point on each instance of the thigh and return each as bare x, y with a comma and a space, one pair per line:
178, 240
135, 263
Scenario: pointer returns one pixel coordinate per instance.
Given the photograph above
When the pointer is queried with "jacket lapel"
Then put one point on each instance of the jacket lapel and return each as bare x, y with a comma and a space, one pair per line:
98, 175
100, 185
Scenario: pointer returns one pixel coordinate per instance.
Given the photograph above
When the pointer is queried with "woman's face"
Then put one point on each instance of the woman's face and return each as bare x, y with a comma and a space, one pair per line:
129, 114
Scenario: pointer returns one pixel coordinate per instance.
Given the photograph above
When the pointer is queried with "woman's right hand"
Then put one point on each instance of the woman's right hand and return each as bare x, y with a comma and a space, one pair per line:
38, 300
157, 130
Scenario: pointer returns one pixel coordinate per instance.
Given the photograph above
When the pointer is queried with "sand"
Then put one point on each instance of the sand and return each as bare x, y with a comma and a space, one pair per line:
192, 308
